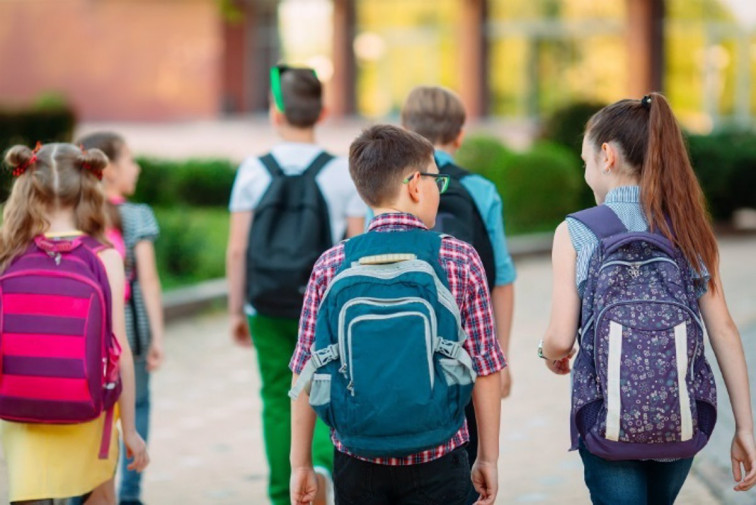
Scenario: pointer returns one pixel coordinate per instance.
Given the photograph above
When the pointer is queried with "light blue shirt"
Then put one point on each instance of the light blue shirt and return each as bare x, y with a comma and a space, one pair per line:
625, 202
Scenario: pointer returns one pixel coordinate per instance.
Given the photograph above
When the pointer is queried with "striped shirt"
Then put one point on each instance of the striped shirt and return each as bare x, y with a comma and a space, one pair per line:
625, 202
467, 283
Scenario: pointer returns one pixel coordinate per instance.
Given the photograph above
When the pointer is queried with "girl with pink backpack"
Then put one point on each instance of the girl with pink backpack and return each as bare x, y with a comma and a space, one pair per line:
67, 373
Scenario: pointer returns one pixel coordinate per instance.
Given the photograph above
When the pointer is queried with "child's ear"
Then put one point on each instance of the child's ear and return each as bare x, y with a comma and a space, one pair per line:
413, 188
276, 118
323, 114
457, 142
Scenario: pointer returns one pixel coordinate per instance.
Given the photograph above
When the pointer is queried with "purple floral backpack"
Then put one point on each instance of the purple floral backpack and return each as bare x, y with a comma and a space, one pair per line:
642, 388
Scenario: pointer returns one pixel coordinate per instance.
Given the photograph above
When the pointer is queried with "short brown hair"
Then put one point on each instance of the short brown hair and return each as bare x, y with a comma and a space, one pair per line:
302, 96
381, 156
434, 112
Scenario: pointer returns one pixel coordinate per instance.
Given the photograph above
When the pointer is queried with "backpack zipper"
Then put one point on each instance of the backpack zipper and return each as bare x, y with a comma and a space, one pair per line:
635, 266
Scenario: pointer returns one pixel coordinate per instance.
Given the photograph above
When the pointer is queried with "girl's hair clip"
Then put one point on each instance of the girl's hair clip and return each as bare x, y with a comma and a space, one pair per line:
89, 167
646, 101
23, 167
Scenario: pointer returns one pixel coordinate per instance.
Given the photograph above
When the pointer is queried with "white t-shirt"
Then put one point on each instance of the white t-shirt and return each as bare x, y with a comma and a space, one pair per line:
253, 179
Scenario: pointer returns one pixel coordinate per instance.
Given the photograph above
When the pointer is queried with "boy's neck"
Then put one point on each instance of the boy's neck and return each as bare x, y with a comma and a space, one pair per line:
450, 148
297, 135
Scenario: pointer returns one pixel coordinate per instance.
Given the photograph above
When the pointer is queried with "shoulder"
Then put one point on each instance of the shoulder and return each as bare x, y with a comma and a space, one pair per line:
112, 261
337, 166
331, 259
459, 251
250, 169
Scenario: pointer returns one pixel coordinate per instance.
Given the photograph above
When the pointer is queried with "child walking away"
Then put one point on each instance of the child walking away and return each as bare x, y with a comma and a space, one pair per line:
132, 229
287, 207
470, 210
396, 333
637, 278
63, 335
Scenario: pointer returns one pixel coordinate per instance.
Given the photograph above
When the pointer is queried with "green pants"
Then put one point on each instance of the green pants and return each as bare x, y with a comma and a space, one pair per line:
275, 339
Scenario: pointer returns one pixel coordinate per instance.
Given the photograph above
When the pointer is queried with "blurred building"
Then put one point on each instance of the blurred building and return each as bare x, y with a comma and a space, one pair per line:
174, 59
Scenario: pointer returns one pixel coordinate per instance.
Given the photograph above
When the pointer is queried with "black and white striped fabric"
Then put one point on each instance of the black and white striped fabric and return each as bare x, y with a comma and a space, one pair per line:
139, 223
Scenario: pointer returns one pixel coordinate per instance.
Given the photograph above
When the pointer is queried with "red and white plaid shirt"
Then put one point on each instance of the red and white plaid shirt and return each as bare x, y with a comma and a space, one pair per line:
467, 282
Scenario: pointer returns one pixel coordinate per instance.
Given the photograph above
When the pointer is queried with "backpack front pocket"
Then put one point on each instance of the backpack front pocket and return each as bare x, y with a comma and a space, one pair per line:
387, 360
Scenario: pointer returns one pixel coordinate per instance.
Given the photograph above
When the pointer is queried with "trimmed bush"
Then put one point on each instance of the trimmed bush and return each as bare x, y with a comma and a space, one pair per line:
188, 182
483, 154
725, 164
49, 121
539, 188
566, 127
192, 244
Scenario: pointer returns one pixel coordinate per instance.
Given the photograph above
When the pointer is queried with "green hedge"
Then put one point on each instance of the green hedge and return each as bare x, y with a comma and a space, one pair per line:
50, 121
197, 182
192, 244
538, 187
725, 164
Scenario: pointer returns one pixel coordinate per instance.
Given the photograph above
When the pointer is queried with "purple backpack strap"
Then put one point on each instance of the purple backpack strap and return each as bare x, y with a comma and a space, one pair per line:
601, 220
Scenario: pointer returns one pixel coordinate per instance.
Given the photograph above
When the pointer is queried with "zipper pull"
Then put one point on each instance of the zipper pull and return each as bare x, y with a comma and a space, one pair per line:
350, 387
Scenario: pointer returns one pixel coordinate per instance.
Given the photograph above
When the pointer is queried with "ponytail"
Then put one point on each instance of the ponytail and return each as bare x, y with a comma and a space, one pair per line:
654, 149
670, 192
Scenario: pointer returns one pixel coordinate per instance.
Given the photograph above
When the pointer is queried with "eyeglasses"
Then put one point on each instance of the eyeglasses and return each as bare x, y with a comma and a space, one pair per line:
442, 180
275, 83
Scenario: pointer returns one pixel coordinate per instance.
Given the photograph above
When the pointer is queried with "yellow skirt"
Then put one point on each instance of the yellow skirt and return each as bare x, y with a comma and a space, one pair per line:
56, 460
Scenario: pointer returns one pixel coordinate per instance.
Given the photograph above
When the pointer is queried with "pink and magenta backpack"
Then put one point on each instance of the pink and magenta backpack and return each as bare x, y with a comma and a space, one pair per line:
58, 354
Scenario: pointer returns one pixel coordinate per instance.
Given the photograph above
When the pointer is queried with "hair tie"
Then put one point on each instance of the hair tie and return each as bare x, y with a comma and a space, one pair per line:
88, 166
23, 167
646, 102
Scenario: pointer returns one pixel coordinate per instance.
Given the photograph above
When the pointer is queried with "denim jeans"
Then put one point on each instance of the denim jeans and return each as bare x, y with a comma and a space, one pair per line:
131, 482
444, 481
633, 482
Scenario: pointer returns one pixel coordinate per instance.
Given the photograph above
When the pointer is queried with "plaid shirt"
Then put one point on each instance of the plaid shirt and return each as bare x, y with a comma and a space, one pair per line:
467, 282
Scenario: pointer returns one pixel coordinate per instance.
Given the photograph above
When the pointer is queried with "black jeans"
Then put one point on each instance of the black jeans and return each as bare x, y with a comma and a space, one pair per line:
445, 481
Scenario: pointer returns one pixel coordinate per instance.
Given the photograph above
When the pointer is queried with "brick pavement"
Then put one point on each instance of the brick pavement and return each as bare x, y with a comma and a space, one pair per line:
207, 445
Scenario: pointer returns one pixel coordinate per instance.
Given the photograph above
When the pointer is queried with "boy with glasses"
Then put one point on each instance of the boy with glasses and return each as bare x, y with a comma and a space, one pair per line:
390, 456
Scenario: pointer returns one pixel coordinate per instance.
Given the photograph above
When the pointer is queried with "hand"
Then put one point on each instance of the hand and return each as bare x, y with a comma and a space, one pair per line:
506, 381
485, 478
240, 330
155, 355
560, 366
136, 449
303, 485
743, 454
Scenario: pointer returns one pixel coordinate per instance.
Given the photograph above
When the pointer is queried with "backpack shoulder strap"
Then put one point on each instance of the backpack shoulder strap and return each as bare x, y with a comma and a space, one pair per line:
452, 169
320, 161
601, 220
271, 165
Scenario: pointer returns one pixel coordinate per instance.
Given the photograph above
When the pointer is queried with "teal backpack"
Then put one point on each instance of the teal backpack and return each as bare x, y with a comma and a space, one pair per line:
388, 371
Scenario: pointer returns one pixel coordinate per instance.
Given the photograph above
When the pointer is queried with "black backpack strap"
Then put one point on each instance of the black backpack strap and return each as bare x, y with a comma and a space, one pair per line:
270, 163
320, 161
452, 170
601, 220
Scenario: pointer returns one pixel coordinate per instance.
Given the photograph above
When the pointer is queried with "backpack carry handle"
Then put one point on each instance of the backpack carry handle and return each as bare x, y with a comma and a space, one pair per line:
56, 246
611, 244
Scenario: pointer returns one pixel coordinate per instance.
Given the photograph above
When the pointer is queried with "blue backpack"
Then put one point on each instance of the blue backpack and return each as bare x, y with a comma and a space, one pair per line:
388, 371
642, 388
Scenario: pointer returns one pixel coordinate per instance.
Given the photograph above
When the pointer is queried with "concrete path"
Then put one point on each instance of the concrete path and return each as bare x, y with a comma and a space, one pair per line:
207, 445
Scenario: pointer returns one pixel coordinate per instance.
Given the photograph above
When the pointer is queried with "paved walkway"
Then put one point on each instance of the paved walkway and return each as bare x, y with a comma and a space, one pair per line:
207, 445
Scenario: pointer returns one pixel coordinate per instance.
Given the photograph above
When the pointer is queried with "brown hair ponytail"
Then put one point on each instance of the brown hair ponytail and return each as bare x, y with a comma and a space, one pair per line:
653, 146
670, 190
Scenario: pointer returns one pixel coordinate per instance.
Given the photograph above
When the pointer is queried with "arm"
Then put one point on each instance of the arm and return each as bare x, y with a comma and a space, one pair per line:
486, 399
559, 340
502, 303
236, 275
134, 444
728, 349
303, 485
149, 281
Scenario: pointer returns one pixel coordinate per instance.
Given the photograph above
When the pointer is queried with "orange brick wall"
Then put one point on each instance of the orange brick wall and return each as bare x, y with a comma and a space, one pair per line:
114, 59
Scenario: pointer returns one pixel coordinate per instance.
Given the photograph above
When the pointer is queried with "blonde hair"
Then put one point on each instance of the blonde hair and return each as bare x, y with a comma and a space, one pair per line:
434, 112
56, 176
